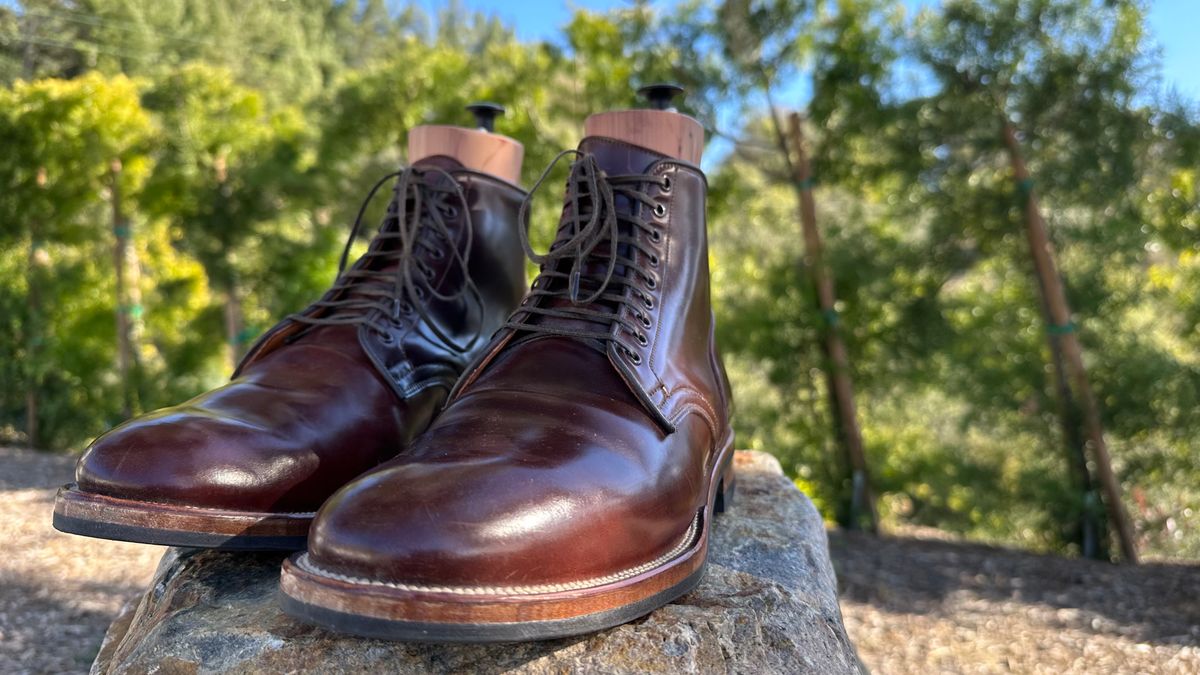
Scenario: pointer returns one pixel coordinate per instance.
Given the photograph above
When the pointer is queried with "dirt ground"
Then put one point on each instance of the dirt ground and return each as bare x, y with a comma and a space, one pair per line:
914, 604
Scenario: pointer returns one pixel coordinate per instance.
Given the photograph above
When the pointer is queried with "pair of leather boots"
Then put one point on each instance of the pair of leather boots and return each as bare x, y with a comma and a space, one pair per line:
558, 478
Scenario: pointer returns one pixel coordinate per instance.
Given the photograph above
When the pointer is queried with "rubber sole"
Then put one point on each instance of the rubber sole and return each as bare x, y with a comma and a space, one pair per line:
440, 615
104, 517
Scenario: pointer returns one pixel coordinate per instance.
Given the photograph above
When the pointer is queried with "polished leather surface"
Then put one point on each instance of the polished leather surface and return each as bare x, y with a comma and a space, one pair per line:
557, 460
310, 408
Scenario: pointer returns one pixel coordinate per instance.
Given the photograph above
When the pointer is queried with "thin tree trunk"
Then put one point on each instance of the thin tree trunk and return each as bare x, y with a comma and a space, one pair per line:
126, 310
233, 323
1060, 313
1075, 445
838, 372
33, 327
33, 315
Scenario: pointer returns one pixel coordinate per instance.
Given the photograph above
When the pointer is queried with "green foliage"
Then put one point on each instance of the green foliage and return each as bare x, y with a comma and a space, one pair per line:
248, 132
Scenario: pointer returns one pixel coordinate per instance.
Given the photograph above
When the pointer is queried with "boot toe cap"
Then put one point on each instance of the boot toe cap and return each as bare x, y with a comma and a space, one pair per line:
181, 456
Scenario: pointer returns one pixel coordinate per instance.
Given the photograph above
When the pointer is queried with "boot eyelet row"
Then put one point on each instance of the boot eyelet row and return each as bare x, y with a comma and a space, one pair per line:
634, 357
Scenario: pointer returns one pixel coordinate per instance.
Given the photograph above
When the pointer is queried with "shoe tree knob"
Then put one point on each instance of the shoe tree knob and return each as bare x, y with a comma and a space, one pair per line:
480, 149
660, 127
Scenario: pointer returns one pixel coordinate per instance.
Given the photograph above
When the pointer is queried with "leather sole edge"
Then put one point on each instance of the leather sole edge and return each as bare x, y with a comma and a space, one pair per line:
520, 631
387, 613
93, 515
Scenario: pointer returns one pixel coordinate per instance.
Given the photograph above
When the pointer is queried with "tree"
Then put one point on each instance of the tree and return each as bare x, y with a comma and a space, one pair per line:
63, 139
222, 171
1066, 72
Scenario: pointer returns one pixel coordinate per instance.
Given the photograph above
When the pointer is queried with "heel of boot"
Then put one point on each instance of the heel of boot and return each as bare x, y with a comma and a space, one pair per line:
725, 487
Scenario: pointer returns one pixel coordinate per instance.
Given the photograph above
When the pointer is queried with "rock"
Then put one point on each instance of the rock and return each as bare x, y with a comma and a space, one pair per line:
768, 603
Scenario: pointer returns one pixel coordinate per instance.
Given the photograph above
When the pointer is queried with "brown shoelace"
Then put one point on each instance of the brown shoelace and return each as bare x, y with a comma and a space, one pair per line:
393, 279
599, 265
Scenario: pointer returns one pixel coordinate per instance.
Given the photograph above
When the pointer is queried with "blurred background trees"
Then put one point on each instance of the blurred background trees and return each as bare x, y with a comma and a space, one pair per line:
177, 174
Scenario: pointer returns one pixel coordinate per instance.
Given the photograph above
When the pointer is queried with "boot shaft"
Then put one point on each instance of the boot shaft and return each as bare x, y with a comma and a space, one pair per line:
633, 283
438, 279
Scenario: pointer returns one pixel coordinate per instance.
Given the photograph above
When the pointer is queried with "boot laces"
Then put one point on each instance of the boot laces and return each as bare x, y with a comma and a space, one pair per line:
394, 278
599, 270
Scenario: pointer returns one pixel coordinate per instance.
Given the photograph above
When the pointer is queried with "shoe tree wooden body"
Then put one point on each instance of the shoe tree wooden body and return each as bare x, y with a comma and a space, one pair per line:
660, 128
479, 149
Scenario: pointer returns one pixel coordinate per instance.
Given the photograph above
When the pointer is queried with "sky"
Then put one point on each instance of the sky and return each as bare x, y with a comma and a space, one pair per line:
1174, 25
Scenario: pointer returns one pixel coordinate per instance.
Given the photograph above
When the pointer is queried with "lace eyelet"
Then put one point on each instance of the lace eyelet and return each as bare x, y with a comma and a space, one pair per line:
450, 211
655, 236
660, 210
438, 254
666, 185
651, 283
386, 337
642, 339
646, 323
653, 259
635, 358
648, 302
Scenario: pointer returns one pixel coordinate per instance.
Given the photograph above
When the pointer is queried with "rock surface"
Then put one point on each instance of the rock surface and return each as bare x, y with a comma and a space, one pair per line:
768, 603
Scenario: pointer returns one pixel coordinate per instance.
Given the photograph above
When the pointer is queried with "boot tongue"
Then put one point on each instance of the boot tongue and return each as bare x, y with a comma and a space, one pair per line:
618, 157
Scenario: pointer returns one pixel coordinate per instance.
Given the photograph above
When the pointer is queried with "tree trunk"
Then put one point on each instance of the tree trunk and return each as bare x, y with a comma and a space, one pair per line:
1091, 528
838, 369
1055, 298
233, 324
33, 326
127, 310
33, 339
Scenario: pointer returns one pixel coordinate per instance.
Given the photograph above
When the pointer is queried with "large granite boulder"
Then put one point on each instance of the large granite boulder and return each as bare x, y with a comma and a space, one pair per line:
768, 604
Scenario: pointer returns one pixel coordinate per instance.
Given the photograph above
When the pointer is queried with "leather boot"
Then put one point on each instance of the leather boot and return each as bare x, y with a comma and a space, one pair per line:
571, 482
326, 394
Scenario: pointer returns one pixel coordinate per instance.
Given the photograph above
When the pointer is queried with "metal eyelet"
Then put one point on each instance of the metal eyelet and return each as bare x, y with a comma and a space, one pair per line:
666, 185
387, 338
655, 236
653, 260
646, 323
660, 210
651, 283
642, 339
438, 254
450, 211
648, 302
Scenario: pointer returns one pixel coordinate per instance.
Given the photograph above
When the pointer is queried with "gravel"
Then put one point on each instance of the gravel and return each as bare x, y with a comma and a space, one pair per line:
924, 605
919, 603
58, 592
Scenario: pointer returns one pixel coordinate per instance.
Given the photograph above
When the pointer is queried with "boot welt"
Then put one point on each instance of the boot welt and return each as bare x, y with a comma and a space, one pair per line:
394, 611
95, 515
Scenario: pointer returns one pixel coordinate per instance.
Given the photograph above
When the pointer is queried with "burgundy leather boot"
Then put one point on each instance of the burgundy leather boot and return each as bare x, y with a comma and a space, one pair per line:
326, 394
570, 484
